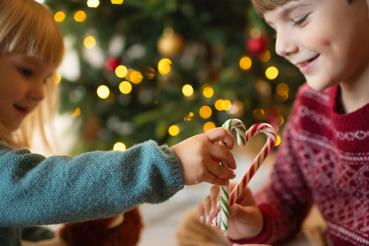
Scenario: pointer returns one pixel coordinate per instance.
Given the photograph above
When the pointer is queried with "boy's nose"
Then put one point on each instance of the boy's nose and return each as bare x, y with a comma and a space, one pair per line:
284, 45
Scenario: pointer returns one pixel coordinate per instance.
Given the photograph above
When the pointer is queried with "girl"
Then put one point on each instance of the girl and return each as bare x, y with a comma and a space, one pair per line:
38, 190
324, 157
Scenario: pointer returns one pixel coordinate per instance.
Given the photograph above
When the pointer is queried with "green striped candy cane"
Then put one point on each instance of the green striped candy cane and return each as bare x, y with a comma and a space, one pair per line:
238, 130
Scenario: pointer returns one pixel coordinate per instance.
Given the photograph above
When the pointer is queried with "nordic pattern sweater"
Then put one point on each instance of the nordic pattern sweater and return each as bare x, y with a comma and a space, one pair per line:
323, 159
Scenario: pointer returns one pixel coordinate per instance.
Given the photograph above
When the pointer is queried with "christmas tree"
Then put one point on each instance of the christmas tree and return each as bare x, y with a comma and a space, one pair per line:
166, 70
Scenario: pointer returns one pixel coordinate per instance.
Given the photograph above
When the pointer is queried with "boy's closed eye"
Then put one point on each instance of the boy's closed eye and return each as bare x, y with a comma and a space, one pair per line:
301, 20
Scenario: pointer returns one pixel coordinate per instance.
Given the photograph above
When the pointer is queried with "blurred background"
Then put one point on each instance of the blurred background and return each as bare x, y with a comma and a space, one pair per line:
166, 70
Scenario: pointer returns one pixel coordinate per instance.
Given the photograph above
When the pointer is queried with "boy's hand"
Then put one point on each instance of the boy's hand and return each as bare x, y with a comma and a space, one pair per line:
246, 220
201, 155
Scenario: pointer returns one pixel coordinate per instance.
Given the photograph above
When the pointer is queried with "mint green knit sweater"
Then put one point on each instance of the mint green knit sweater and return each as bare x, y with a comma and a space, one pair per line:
35, 190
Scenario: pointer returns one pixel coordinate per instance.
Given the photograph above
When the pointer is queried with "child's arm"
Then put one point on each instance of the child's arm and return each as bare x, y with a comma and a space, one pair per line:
39, 190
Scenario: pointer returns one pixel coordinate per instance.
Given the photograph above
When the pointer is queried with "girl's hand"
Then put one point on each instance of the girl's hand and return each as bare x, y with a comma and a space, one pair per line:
246, 220
201, 155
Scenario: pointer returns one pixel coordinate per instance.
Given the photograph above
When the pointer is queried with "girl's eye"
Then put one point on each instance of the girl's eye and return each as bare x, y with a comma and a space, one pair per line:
25, 72
300, 21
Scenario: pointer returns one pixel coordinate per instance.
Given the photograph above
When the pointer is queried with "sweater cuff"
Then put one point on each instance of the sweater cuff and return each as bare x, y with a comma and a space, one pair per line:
267, 230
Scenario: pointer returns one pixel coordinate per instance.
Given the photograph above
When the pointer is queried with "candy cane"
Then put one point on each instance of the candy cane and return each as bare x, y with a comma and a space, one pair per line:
242, 136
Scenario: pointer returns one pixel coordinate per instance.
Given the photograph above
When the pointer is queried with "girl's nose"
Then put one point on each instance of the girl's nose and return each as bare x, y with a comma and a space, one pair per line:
37, 91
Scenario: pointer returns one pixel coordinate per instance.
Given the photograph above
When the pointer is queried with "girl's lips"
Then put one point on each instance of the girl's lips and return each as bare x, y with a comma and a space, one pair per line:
21, 109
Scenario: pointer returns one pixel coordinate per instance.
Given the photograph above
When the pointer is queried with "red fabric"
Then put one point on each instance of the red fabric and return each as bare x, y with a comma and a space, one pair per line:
323, 159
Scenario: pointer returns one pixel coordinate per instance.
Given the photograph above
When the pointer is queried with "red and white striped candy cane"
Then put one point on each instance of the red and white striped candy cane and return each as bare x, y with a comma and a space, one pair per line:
237, 129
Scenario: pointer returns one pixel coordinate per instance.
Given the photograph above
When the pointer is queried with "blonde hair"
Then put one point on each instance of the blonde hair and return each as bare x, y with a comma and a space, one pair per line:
28, 28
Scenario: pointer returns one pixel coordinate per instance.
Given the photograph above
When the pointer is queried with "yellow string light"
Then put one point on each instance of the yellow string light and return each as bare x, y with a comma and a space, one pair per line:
135, 77
80, 16
164, 66
189, 116
58, 79
174, 130
76, 112
208, 126
89, 42
208, 91
121, 71
117, 1
245, 63
278, 140
103, 91
119, 146
125, 87
93, 3
205, 112
271, 73
59, 16
219, 104
187, 90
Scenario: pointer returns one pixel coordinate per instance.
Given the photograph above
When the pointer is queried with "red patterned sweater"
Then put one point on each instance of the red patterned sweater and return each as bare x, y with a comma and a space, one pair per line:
323, 159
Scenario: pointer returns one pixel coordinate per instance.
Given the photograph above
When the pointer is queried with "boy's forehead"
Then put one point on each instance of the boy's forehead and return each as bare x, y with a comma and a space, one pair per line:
287, 7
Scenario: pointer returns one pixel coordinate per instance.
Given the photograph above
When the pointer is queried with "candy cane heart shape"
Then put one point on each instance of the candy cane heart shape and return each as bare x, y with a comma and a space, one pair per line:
238, 130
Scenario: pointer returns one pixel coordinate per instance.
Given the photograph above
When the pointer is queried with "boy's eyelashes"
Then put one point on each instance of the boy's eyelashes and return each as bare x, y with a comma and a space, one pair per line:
300, 21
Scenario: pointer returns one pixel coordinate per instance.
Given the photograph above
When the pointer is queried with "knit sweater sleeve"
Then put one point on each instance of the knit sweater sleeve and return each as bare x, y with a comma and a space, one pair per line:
38, 190
287, 200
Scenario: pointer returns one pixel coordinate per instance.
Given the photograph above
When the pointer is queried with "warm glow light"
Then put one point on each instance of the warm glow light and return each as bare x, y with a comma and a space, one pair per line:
208, 92
76, 112
219, 104
271, 72
164, 66
103, 91
187, 90
205, 112
58, 79
93, 3
119, 146
189, 116
265, 56
80, 16
89, 42
125, 87
135, 77
59, 16
227, 104
278, 140
245, 63
174, 130
121, 71
117, 1
208, 126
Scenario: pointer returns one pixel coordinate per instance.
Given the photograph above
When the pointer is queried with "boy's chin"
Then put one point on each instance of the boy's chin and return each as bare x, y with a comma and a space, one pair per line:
319, 84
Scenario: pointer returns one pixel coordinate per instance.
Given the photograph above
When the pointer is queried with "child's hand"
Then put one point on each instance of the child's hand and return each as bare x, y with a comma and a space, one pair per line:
201, 155
246, 220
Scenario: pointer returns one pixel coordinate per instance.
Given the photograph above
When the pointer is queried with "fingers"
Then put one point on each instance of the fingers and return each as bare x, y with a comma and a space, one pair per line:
222, 154
220, 134
246, 198
208, 208
213, 179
